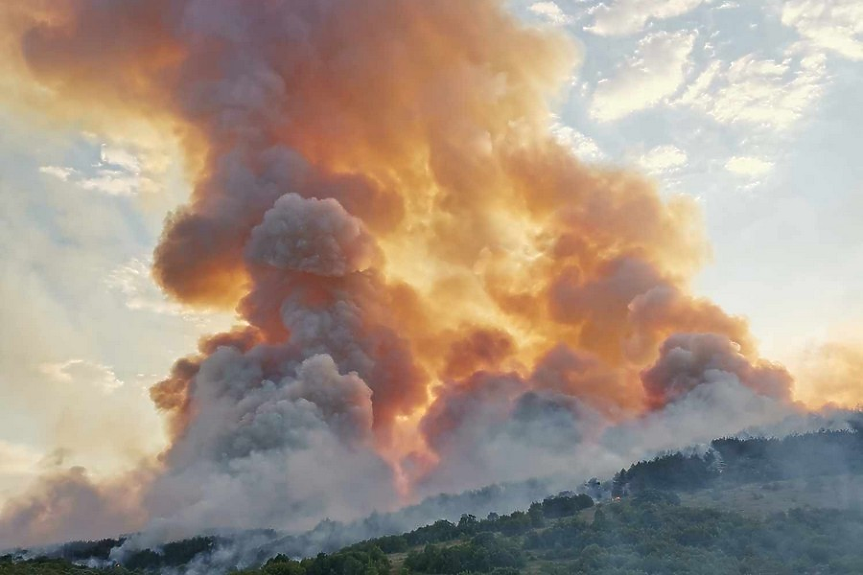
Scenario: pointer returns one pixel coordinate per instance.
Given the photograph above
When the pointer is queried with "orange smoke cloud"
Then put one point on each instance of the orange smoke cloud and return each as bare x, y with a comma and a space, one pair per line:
831, 374
378, 187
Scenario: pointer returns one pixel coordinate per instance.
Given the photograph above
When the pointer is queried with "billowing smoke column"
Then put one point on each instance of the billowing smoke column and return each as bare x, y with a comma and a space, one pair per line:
435, 294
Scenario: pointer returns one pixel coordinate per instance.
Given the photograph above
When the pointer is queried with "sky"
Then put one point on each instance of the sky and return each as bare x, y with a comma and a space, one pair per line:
746, 106
752, 108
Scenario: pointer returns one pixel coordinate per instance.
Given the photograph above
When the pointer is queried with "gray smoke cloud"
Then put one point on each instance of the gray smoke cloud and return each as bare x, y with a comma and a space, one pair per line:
378, 196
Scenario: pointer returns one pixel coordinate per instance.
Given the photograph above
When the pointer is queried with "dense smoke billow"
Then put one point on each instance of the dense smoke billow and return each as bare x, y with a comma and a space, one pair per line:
432, 293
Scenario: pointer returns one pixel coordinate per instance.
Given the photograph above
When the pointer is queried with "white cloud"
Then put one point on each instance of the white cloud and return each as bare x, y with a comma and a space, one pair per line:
121, 158
111, 182
58, 172
135, 282
748, 166
55, 304
584, 147
551, 12
654, 72
769, 93
662, 159
621, 17
84, 373
118, 173
18, 459
835, 25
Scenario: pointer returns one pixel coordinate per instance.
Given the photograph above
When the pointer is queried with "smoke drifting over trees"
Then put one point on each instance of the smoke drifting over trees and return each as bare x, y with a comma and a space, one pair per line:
432, 293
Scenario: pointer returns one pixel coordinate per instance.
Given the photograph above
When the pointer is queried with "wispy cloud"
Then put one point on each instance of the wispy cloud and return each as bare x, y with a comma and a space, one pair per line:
58, 172
662, 159
655, 71
84, 373
748, 166
118, 173
835, 25
120, 157
621, 17
768, 93
134, 282
551, 12
583, 146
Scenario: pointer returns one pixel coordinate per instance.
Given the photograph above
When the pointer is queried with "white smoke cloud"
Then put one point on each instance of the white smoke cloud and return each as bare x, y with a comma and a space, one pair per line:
279, 453
288, 419
68, 504
489, 427
688, 361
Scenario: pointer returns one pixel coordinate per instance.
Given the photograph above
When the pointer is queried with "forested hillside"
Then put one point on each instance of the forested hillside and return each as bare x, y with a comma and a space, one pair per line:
698, 513
651, 534
732, 461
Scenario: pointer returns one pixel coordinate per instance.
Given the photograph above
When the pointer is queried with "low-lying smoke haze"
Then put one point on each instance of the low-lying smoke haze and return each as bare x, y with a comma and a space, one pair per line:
432, 292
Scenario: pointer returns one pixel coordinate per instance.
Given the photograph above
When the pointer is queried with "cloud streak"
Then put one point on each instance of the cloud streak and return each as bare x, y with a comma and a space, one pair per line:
653, 73
835, 25
622, 17
762, 93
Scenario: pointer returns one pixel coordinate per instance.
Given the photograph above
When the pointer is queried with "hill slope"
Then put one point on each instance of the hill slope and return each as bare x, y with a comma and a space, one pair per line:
760, 506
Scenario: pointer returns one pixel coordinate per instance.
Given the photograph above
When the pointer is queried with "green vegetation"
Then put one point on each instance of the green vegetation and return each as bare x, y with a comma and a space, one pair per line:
371, 561
45, 566
762, 499
483, 553
647, 534
83, 550
654, 535
171, 554
737, 461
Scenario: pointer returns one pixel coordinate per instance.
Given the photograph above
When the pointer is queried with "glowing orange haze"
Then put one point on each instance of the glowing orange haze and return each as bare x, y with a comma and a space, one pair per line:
458, 237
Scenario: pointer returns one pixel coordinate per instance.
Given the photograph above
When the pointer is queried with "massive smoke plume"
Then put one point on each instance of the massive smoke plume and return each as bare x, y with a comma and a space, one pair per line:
432, 293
